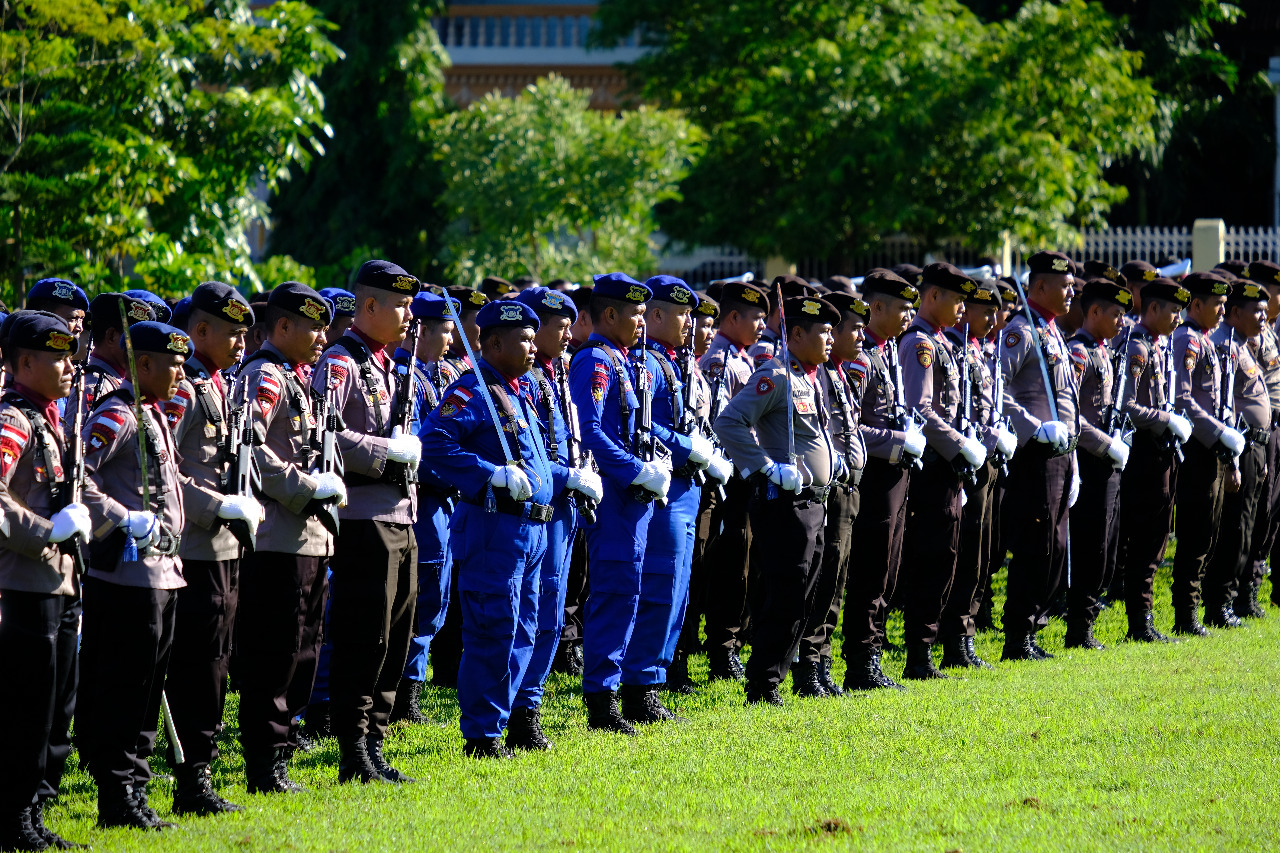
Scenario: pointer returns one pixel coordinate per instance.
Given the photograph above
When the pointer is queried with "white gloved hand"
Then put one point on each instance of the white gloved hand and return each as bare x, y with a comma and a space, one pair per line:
719, 468
404, 448
242, 508
701, 451
653, 477
330, 486
1006, 443
1233, 440
512, 479
1180, 427
586, 481
913, 443
1053, 433
973, 452
785, 477
1118, 453
72, 519
1074, 494
143, 526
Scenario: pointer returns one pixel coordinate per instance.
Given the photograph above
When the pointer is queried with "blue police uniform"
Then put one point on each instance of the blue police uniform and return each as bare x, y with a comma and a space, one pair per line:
497, 554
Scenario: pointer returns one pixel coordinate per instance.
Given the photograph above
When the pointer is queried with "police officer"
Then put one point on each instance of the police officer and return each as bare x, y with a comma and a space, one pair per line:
283, 588
776, 432
342, 303
894, 444
768, 345
507, 483
68, 301
1213, 447
39, 590
1266, 350
1149, 479
199, 415
1042, 472
1102, 454
375, 558
1229, 576
160, 310
105, 369
472, 301
728, 369
134, 576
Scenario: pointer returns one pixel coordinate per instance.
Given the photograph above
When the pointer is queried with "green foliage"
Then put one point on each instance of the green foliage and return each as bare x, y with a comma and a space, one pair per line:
832, 122
138, 135
542, 185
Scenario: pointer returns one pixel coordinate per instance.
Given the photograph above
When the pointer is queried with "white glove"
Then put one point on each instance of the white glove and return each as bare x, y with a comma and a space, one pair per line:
964, 498
1053, 433
72, 519
654, 478
1118, 453
1006, 443
1180, 427
913, 444
241, 507
330, 486
786, 477
143, 526
512, 479
1074, 494
702, 450
1232, 440
404, 448
719, 468
586, 481
973, 452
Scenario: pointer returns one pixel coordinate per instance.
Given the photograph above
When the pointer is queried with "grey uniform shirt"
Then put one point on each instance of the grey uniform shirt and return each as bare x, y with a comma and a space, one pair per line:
1025, 402
1266, 352
843, 401
1249, 397
1092, 363
727, 367
1197, 382
753, 426
1146, 390
873, 381
201, 442
972, 356
765, 348
931, 385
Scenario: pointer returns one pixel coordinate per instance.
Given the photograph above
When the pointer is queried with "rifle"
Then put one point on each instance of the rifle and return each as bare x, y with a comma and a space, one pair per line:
1116, 421
902, 420
1174, 441
328, 425
243, 478
998, 419
406, 402
1226, 407
967, 428
644, 445
691, 421
75, 484
576, 457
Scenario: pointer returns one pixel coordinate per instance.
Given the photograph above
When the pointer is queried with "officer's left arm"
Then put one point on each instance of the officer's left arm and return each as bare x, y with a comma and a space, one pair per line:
919, 355
453, 433
591, 378
736, 423
1187, 354
1017, 349
1092, 439
108, 433
663, 417
361, 453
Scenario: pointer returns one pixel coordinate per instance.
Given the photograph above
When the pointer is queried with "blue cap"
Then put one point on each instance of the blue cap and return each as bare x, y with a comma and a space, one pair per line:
181, 312
343, 301
506, 312
154, 336
668, 288
429, 306
544, 300
619, 285
58, 290
159, 307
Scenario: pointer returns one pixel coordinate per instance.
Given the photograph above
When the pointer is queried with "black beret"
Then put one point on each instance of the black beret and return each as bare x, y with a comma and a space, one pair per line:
581, 298
1102, 269
471, 299
948, 277
1108, 291
792, 285
157, 337
716, 290
847, 303
1008, 289
620, 286
743, 294
1050, 263
105, 312
1248, 291
495, 288
839, 284
810, 309
297, 298
1225, 274
1166, 289
1263, 272
1206, 284
181, 313
38, 330
222, 300
984, 293
910, 273
707, 307
507, 313
58, 290
890, 284
1140, 272
384, 275
1235, 266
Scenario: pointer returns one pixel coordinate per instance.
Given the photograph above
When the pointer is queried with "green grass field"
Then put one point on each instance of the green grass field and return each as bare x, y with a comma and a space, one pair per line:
1135, 748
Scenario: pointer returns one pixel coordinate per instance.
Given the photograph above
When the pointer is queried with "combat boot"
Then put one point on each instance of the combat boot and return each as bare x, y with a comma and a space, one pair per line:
1246, 604
972, 654
486, 747
1144, 631
17, 832
1041, 654
824, 675
262, 772
806, 682
1221, 616
634, 707
316, 723
1080, 636
193, 793
140, 800
603, 714
51, 838
954, 654
863, 672
406, 707
764, 694
920, 666
1187, 622
678, 680
373, 746
354, 763
524, 729
1018, 647
725, 664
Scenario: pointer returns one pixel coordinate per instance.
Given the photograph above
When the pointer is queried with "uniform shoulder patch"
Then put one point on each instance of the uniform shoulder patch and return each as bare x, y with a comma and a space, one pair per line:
1189, 360
104, 429
1012, 339
599, 381
924, 353
268, 392
764, 385
13, 440
456, 400
177, 407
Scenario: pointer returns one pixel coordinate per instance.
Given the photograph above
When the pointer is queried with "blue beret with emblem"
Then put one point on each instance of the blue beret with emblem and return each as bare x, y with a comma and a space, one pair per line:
58, 290
506, 313
159, 307
343, 301
430, 306
668, 288
622, 287
544, 300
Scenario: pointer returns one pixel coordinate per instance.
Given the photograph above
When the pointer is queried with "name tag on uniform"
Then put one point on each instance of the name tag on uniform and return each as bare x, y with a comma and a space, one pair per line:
805, 406
210, 431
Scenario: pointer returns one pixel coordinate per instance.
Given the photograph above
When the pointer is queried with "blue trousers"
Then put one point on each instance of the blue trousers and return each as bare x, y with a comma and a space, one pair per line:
552, 588
497, 557
664, 586
615, 553
432, 531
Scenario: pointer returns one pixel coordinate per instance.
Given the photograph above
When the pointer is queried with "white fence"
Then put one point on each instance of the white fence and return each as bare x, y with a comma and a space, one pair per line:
1118, 245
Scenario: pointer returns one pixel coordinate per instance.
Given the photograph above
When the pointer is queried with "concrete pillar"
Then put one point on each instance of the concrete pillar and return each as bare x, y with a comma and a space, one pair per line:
775, 266
1208, 244
1006, 254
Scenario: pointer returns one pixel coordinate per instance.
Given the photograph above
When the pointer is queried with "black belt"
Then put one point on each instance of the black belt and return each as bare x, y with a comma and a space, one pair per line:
815, 495
687, 470
1258, 435
443, 493
540, 513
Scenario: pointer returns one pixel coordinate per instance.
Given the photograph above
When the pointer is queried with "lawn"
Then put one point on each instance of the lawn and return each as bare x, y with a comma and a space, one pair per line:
1138, 747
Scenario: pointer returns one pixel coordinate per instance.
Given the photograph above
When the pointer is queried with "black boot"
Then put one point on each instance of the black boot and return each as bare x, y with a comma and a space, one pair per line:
317, 721
972, 654
920, 665
1080, 636
1187, 622
262, 772
568, 658
603, 714
953, 653
193, 793
763, 694
1246, 604
635, 705
354, 763
1143, 630
406, 706
17, 832
140, 800
725, 663
824, 675
1018, 647
678, 680
117, 807
1041, 654
1221, 616
862, 672
51, 838
524, 729
806, 681
373, 746
486, 747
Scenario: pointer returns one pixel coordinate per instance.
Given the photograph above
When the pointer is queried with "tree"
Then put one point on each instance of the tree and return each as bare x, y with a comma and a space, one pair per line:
135, 136
542, 185
832, 122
